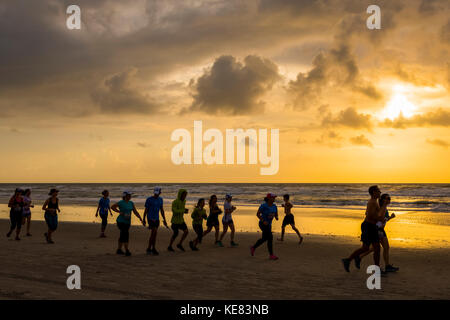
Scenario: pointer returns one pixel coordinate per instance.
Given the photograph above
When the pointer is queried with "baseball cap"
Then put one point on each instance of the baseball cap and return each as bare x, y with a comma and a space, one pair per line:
228, 195
127, 193
271, 195
157, 190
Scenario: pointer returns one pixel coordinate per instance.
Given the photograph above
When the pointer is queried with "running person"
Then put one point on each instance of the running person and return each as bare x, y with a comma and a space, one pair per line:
213, 219
124, 208
288, 219
51, 208
227, 220
369, 230
153, 205
15, 214
198, 215
103, 209
27, 210
178, 212
266, 212
383, 237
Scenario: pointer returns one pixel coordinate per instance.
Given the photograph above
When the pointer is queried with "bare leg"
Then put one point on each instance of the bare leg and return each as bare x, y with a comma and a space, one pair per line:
185, 233
232, 232
297, 232
283, 229
376, 253
360, 251
385, 244
217, 232
225, 228
208, 230
28, 224
367, 252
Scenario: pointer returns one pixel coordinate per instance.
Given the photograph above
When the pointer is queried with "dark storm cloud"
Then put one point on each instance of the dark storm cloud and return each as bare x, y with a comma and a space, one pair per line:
46, 67
118, 95
232, 87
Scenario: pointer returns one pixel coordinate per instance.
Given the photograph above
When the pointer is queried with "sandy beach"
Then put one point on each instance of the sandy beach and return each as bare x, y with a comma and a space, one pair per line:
32, 269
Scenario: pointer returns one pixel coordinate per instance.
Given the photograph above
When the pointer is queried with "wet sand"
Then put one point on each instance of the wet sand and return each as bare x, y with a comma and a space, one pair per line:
32, 269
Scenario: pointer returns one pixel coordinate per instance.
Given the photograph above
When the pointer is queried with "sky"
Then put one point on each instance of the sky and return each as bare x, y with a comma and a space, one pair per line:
100, 104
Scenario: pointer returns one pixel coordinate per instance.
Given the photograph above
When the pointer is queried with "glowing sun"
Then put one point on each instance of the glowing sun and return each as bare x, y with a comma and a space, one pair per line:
399, 104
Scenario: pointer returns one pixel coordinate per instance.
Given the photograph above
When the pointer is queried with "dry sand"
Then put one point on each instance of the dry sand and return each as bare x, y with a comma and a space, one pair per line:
32, 269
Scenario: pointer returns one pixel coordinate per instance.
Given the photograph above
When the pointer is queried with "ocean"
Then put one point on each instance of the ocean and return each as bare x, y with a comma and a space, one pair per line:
411, 197
422, 210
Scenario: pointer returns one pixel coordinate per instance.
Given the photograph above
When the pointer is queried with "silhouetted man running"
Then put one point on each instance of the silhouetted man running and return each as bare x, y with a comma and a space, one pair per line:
369, 231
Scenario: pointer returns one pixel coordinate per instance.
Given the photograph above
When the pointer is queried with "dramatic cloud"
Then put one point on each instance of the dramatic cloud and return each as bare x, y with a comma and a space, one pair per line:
438, 118
117, 95
439, 143
232, 87
335, 68
348, 118
361, 141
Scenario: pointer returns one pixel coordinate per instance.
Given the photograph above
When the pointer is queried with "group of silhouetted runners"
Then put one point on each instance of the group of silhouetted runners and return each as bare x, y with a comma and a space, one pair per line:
373, 234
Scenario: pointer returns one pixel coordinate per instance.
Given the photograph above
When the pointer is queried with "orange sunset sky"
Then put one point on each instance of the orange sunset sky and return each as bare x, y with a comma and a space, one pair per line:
99, 104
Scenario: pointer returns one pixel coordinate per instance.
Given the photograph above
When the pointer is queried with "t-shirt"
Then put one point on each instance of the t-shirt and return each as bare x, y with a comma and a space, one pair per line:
26, 205
227, 206
214, 213
198, 215
268, 212
153, 206
126, 208
103, 205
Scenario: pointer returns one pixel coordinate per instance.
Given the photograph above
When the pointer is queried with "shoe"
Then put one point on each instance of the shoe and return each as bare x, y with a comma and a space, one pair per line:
195, 249
149, 251
301, 240
191, 245
154, 252
119, 251
219, 243
391, 268
102, 235
252, 251
346, 263
127, 253
272, 257
358, 262
170, 249
50, 241
28, 234
179, 246
233, 244
17, 238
